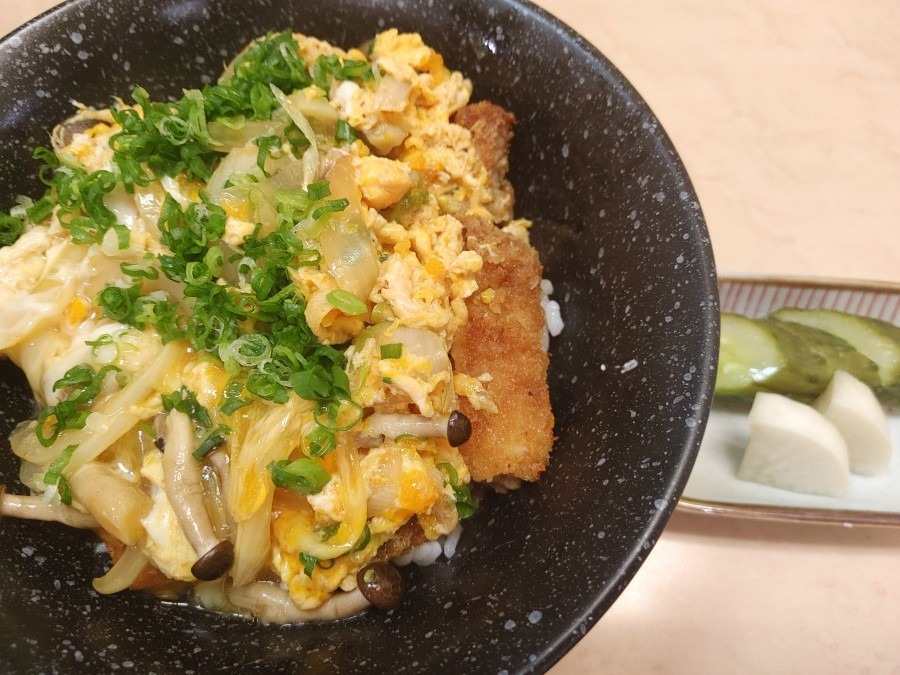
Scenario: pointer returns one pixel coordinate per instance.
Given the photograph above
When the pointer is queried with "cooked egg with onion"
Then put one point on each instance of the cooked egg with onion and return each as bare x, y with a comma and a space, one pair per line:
237, 310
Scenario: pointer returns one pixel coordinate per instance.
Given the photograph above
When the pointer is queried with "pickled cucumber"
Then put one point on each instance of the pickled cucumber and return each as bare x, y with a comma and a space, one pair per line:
760, 355
876, 340
839, 354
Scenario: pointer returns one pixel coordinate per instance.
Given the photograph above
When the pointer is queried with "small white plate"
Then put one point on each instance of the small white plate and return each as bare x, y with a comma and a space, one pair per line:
714, 487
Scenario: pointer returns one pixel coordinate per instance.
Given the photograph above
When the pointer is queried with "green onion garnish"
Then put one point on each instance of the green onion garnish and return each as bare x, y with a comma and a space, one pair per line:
344, 133
392, 350
309, 564
345, 301
213, 440
54, 474
303, 476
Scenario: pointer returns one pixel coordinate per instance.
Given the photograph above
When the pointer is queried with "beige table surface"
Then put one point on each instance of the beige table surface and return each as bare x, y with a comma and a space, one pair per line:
787, 115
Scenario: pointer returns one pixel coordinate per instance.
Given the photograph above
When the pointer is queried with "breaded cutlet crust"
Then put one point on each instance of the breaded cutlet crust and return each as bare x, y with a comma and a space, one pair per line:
492, 130
502, 337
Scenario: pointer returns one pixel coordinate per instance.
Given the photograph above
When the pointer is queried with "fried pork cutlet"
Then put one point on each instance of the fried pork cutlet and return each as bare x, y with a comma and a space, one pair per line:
503, 335
492, 131
404, 540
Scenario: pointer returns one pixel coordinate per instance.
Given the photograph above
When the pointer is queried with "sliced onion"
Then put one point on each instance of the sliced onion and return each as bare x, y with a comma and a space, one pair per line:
117, 504
287, 173
311, 154
348, 252
227, 137
271, 437
121, 575
237, 162
384, 137
258, 191
315, 109
384, 482
123, 205
350, 257
392, 95
149, 202
113, 417
422, 343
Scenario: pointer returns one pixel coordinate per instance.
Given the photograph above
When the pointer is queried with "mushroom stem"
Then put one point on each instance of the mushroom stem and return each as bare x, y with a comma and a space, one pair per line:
221, 465
272, 604
184, 488
456, 427
35, 508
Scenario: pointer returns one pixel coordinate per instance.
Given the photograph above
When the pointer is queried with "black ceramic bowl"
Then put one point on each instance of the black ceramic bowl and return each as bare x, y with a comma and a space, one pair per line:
623, 240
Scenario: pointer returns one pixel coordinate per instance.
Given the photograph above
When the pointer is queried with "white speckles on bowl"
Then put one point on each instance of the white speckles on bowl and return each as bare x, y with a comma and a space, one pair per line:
623, 241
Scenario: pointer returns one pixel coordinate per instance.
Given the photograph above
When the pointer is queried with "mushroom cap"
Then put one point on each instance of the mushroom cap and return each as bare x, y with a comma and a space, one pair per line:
215, 562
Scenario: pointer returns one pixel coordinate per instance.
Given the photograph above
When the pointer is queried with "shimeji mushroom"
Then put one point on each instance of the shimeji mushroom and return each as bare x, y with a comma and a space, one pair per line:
455, 427
184, 488
36, 508
272, 604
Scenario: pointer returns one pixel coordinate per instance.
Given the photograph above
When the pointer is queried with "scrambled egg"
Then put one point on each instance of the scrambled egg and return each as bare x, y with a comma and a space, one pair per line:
396, 248
409, 194
166, 543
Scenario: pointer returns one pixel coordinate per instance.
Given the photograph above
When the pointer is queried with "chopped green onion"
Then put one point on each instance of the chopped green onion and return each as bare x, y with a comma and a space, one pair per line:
232, 398
103, 341
320, 441
214, 260
72, 411
345, 301
329, 531
185, 401
214, 440
10, 229
364, 540
249, 351
392, 351
309, 563
269, 146
54, 474
331, 411
331, 206
450, 470
303, 476
139, 271
465, 505
344, 132
318, 190
40, 210
76, 377
119, 303
296, 139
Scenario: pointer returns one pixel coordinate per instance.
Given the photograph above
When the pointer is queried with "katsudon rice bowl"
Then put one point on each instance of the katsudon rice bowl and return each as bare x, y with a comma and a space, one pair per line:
322, 321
